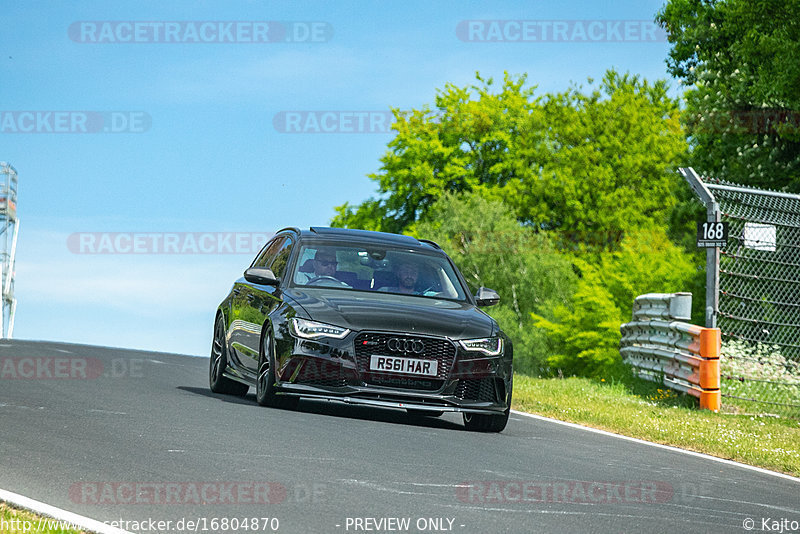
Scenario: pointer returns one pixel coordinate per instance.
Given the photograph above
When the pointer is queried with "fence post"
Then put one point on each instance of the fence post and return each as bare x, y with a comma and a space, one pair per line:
712, 254
710, 344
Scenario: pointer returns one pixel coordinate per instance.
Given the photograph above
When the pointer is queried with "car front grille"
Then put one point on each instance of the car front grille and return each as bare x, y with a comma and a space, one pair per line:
368, 344
322, 373
321, 382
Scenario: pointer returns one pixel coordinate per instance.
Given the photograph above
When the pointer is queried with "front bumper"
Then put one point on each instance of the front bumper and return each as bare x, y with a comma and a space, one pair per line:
335, 371
382, 400
394, 399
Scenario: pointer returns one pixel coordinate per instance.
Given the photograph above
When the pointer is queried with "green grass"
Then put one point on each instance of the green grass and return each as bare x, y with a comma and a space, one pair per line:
654, 413
12, 521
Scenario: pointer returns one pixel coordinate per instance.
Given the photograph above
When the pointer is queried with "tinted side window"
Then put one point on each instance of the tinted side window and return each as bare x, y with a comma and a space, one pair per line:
267, 255
278, 265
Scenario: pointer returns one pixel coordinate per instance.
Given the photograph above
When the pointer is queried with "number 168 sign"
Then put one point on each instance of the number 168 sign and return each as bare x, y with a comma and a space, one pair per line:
712, 234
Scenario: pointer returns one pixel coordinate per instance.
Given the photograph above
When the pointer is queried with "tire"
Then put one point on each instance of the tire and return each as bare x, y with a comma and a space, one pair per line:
486, 423
489, 422
217, 381
424, 413
266, 391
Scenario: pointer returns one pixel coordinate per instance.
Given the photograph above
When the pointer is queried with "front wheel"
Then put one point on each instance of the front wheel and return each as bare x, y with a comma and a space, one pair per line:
489, 422
266, 391
486, 423
217, 380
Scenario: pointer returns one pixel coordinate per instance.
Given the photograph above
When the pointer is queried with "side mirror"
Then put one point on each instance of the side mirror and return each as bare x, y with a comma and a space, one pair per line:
261, 276
487, 297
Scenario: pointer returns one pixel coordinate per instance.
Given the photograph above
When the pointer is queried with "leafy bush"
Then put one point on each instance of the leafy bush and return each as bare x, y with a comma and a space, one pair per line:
584, 336
646, 262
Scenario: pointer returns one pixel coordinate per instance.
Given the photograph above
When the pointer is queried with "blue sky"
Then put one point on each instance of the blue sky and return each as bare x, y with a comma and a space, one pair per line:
210, 159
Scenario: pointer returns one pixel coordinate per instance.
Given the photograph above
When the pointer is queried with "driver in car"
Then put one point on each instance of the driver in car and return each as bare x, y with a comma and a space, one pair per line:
324, 265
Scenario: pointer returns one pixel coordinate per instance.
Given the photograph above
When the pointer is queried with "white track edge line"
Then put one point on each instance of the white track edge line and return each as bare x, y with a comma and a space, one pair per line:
661, 446
41, 508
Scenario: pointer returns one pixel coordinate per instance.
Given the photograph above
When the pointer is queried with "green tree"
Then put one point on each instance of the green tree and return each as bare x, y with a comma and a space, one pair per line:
469, 142
493, 250
591, 165
584, 335
609, 161
739, 58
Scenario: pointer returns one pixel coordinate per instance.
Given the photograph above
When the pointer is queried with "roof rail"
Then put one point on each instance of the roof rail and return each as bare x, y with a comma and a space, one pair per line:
388, 237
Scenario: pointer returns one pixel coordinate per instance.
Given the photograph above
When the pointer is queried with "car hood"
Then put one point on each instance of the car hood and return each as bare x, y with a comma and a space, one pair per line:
361, 310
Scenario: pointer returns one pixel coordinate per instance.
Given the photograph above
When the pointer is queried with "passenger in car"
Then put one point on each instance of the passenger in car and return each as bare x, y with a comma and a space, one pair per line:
407, 274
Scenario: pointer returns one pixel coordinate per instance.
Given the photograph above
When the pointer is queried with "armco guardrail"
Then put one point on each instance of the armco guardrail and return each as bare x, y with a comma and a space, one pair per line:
661, 348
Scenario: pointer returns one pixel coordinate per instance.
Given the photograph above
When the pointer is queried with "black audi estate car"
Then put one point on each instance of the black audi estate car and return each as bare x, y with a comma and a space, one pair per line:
362, 318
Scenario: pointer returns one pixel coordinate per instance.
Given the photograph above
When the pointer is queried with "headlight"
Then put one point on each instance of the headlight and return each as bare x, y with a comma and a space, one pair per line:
490, 346
314, 330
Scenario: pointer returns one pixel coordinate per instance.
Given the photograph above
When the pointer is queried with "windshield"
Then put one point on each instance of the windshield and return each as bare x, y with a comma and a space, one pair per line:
377, 269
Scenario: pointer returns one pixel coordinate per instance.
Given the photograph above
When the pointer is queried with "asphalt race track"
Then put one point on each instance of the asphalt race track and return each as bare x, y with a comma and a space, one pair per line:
137, 436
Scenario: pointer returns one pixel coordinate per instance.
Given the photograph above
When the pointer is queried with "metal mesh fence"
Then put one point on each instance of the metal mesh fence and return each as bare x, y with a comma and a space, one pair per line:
759, 299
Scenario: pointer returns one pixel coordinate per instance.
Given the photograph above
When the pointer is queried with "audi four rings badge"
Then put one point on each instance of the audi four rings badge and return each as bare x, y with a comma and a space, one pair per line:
396, 344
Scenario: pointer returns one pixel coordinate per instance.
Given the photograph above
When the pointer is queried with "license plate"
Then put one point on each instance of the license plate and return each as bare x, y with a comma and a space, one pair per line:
406, 366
